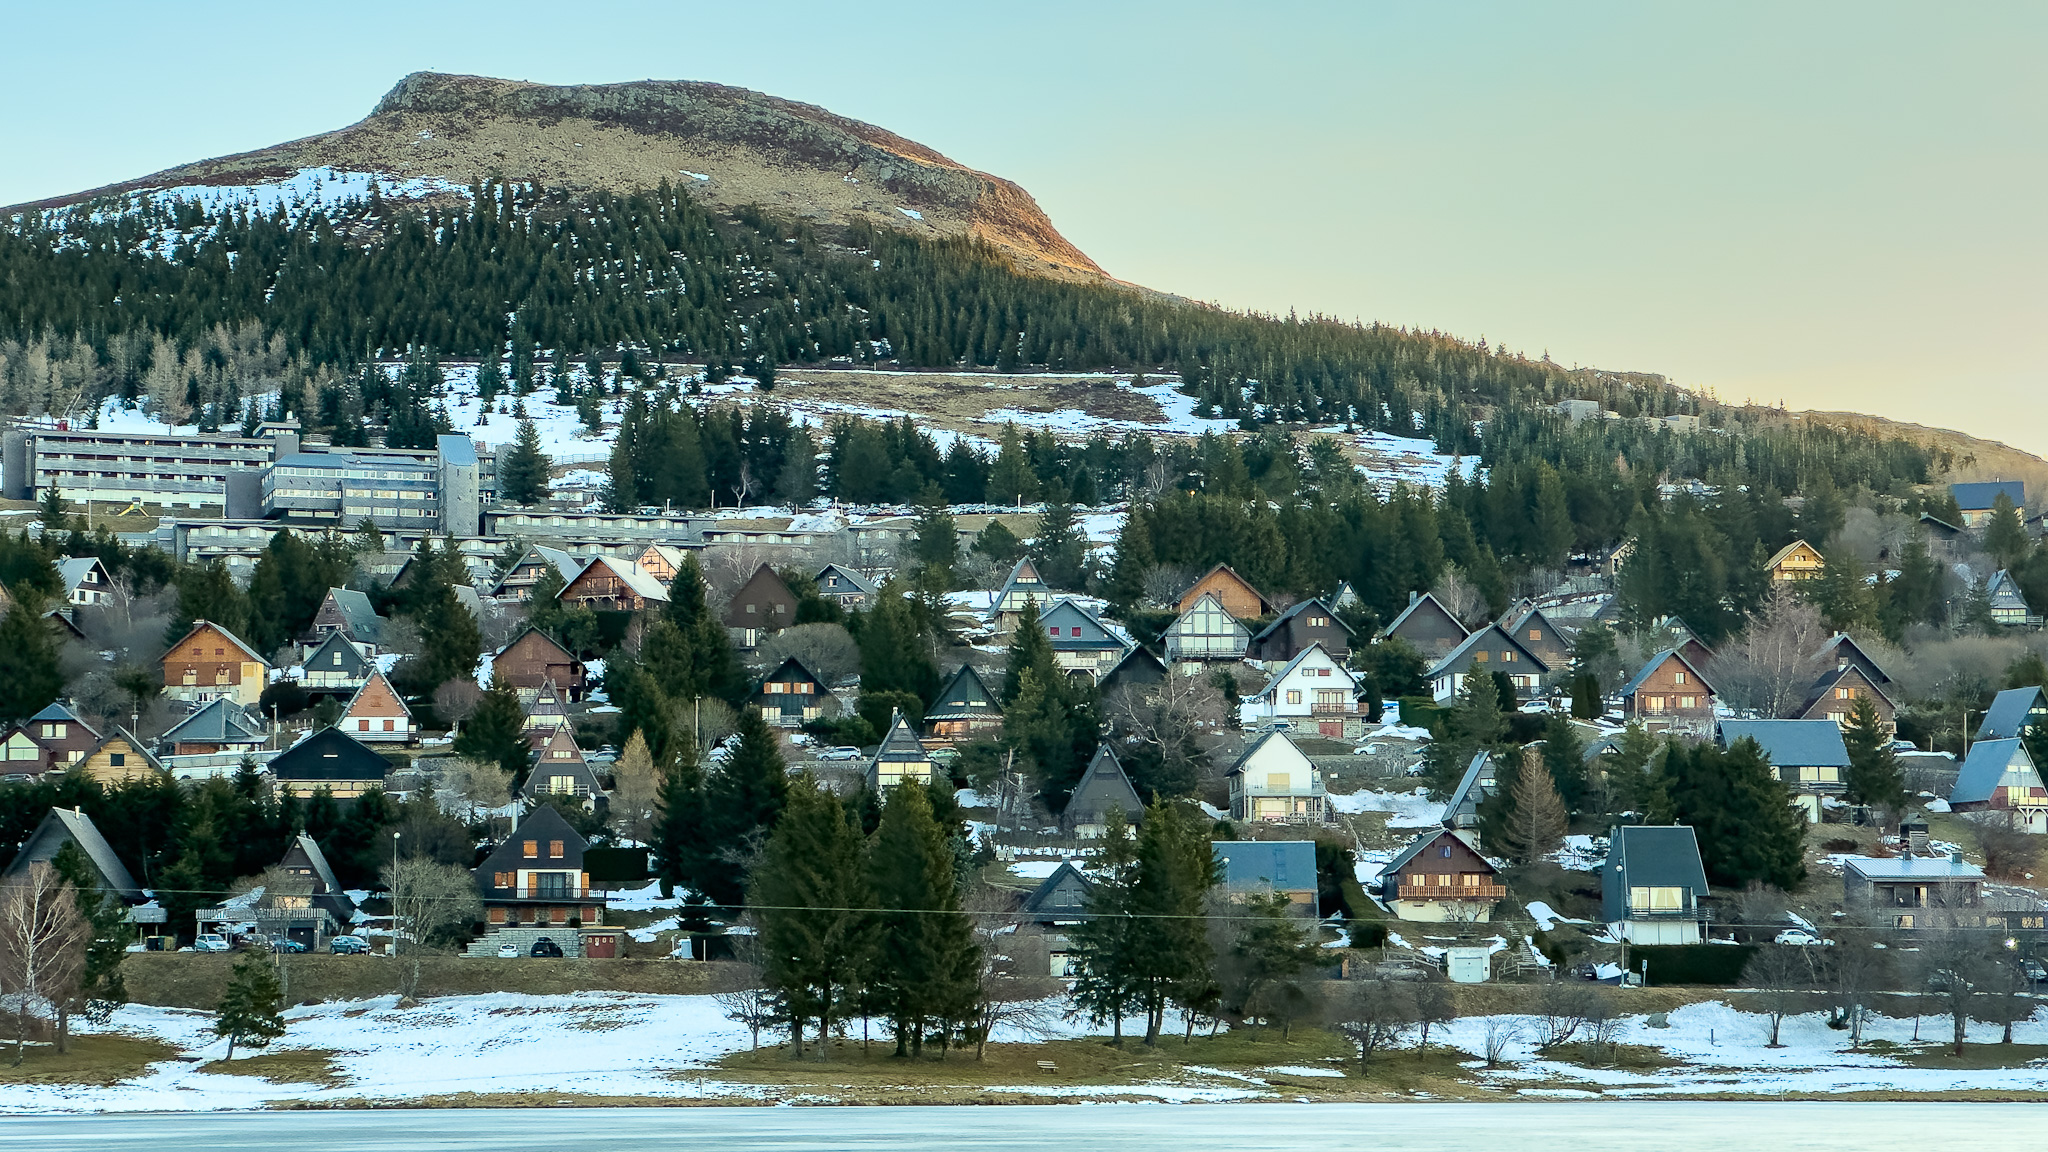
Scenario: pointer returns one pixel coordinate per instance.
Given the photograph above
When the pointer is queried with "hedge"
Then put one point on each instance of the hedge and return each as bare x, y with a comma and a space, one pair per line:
1718, 965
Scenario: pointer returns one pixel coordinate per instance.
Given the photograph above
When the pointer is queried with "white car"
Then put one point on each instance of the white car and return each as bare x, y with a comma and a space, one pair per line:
508, 951
1800, 936
211, 942
840, 753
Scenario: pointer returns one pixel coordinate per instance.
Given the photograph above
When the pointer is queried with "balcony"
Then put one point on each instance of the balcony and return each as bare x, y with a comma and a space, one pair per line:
1475, 893
1663, 914
546, 892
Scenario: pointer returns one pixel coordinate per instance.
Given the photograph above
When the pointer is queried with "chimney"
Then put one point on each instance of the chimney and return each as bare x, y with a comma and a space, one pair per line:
1413, 597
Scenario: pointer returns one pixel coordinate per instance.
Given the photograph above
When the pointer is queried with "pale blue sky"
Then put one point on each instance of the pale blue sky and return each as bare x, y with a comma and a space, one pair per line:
1834, 205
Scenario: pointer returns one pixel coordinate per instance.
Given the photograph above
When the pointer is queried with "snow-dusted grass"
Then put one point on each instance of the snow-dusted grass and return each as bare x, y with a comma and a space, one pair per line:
1405, 809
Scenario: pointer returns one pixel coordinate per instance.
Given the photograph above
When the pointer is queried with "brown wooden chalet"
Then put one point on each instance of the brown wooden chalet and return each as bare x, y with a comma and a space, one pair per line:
1295, 630
533, 659
790, 696
763, 606
536, 877
1834, 697
1441, 876
1234, 592
608, 584
1668, 691
210, 662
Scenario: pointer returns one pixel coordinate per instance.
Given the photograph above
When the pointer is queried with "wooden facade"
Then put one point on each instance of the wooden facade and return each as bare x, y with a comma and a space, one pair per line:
534, 659
210, 662
1234, 592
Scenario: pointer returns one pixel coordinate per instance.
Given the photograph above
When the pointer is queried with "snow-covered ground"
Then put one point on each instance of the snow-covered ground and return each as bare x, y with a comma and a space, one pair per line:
1405, 809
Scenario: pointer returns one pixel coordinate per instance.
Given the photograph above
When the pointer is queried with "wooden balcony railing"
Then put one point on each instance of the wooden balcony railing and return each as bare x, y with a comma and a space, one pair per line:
1482, 893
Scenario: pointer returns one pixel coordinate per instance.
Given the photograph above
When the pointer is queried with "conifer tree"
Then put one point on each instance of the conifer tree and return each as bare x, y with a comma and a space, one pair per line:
1874, 775
679, 837
30, 677
814, 906
926, 958
1058, 549
743, 797
1176, 869
490, 379
248, 1012
1740, 810
1029, 649
1473, 726
100, 985
894, 653
523, 469
496, 732
1107, 940
2005, 535
998, 543
1011, 480
1564, 754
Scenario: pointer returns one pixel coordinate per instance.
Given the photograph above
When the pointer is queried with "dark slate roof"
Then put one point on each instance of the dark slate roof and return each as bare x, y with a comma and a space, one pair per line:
1657, 661
2008, 714
1066, 616
1472, 786
1461, 654
329, 754
1034, 588
1036, 902
1253, 865
859, 582
1649, 856
1284, 618
965, 697
901, 744
321, 658
65, 824
1977, 780
1138, 666
1970, 497
1835, 676
542, 823
317, 860
1428, 837
357, 616
1792, 743
1103, 786
1414, 607
221, 721
790, 669
1834, 650
60, 711
2005, 592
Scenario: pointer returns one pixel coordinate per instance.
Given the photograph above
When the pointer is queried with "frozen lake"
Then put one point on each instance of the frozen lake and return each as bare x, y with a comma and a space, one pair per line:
1551, 1127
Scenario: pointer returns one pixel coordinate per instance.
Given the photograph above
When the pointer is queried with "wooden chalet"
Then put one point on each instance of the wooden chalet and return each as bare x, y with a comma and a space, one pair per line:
58, 737
85, 580
1292, 632
965, 710
1058, 904
1081, 644
1486, 651
1834, 696
1024, 586
1234, 592
1104, 787
1427, 626
118, 759
347, 612
1272, 782
661, 561
1669, 692
221, 726
1139, 671
2009, 607
607, 584
545, 713
791, 696
2015, 712
537, 876
1652, 885
1795, 561
1539, 634
1205, 632
900, 757
329, 759
518, 581
335, 665
210, 662
376, 715
558, 768
2001, 776
1808, 755
1976, 501
763, 606
845, 587
1841, 651
1442, 877
61, 826
534, 658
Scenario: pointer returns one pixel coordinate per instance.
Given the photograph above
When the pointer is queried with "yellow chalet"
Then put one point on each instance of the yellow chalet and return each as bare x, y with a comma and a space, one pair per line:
1795, 561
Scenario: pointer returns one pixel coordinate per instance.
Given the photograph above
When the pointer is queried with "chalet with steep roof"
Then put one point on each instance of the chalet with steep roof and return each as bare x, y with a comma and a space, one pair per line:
545, 713
1842, 651
1058, 904
1481, 780
61, 826
1139, 671
537, 878
1205, 632
1652, 885
790, 696
1427, 626
1311, 693
210, 662
965, 710
53, 739
1486, 651
85, 580
534, 658
221, 726
1104, 787
661, 561
1272, 782
763, 606
329, 759
2015, 713
1080, 642
334, 666
310, 908
347, 612
845, 587
558, 768
1668, 692
1538, 633
607, 584
118, 759
1442, 877
901, 756
376, 715
1834, 696
1024, 586
1234, 592
2009, 607
1292, 632
1795, 561
518, 581
2001, 776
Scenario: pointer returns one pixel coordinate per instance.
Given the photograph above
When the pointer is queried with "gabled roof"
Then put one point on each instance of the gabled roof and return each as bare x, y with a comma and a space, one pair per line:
1103, 786
2010, 710
1428, 837
1983, 494
567, 565
547, 701
2005, 591
329, 754
361, 620
57, 711
1911, 868
1833, 677
74, 570
637, 579
543, 823
1344, 597
1792, 743
1254, 865
1518, 618
1424, 604
62, 824
1300, 658
1286, 619
375, 691
129, 741
1138, 666
1265, 605
1280, 745
1649, 856
543, 638
901, 745
1066, 616
221, 721
1023, 578
791, 669
965, 697
199, 626
1977, 781
1461, 654
1944, 528
1036, 902
859, 582
1474, 786
1215, 606
1781, 554
316, 860
1656, 662
543, 763
321, 658
1843, 647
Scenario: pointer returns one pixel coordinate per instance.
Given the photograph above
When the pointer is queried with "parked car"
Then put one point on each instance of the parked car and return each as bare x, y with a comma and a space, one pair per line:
509, 952
285, 944
1800, 936
211, 942
2035, 971
840, 753
349, 946
548, 948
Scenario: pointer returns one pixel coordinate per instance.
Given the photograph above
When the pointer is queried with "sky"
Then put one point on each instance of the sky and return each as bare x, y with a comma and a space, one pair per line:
1833, 206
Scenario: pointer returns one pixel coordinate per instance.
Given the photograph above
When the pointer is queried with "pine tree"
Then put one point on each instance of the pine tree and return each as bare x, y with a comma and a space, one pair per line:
248, 1012
1525, 818
1564, 754
523, 469
1473, 726
1058, 549
812, 899
927, 961
895, 655
1874, 775
496, 732
743, 798
1176, 870
100, 985
1106, 940
1030, 649
30, 677
1740, 810
1011, 480
679, 837
2005, 534
490, 380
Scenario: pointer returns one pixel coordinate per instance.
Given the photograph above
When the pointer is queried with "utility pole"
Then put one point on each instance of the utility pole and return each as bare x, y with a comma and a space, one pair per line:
394, 893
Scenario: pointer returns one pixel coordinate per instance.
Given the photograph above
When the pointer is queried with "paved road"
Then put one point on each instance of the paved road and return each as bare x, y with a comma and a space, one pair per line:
1535, 1127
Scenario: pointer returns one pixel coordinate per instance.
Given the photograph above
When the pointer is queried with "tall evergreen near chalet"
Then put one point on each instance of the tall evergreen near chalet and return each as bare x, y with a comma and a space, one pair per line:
812, 900
927, 962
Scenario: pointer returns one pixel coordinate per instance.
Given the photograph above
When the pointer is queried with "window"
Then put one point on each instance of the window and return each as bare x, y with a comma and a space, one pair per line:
1844, 694
362, 725
1535, 633
1277, 781
502, 879
1052, 630
1319, 621
1469, 879
1688, 701
555, 849
562, 785
1655, 704
1445, 851
1507, 657
559, 754
117, 759
388, 726
1074, 631
1479, 657
532, 849
752, 609
1678, 678
1294, 695
1443, 880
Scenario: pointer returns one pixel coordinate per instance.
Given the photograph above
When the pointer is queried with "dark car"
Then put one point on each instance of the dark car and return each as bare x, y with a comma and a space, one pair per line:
285, 944
546, 947
349, 946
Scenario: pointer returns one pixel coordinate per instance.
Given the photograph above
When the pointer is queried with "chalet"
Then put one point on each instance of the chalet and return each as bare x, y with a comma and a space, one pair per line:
1427, 626
1841, 651
661, 561
1080, 642
308, 906
1139, 671
118, 759
1256, 867
1916, 891
900, 757
1055, 907
1312, 693
1652, 885
1675, 634
1293, 631
2001, 776
2015, 712
85, 580
329, 759
1480, 781
545, 713
2009, 605
763, 606
210, 662
1205, 632
1272, 782
1345, 598
559, 769
845, 587
1976, 501
347, 612
1486, 651
790, 696
537, 878
1669, 692
965, 710
1025, 586
518, 581
375, 714
1834, 696
533, 659
1795, 561
1942, 535
335, 665
1808, 755
1104, 787
1234, 592
61, 826
21, 757
1441, 877
611, 585
62, 738
1539, 634
221, 726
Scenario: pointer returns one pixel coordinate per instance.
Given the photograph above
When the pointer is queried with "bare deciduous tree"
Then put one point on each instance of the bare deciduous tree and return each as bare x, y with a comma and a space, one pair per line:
635, 787
828, 650
1375, 1014
1769, 668
43, 938
1182, 718
479, 784
1458, 595
455, 700
2010, 851
1782, 979
1016, 989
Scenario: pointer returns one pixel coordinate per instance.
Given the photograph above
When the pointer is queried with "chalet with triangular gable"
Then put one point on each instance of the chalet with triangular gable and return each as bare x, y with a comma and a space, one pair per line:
1024, 586
1058, 904
306, 905
518, 581
1842, 651
608, 584
901, 756
1539, 634
1080, 642
537, 878
376, 715
559, 769
534, 658
965, 710
790, 696
661, 561
63, 826
210, 662
118, 759
334, 666
1442, 877
1795, 561
1139, 671
221, 726
1427, 626
2009, 607
58, 733
763, 606
1672, 632
347, 612
1312, 693
1481, 780
85, 580
545, 713
1487, 651
845, 587
1104, 786
1669, 692
329, 759
1834, 696
1273, 783
2001, 776
1345, 598
2015, 713
1652, 885
1205, 632
1293, 631
1234, 592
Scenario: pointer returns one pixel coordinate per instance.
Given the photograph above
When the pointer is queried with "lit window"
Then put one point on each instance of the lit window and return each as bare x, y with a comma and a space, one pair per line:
532, 849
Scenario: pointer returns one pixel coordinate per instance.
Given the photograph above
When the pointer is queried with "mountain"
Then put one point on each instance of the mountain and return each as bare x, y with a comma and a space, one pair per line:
729, 146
